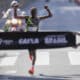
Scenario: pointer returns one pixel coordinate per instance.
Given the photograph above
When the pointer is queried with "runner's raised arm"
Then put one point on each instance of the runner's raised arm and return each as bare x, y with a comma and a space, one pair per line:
49, 13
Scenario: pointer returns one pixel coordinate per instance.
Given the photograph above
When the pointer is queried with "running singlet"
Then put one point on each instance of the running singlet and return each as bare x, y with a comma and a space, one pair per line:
32, 24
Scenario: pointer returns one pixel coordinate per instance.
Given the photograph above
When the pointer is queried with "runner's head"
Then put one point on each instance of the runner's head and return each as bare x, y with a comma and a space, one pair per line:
14, 4
33, 12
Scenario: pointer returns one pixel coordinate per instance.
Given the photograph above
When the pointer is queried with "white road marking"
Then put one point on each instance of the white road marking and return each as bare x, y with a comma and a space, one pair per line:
74, 57
70, 8
11, 72
43, 58
8, 61
10, 52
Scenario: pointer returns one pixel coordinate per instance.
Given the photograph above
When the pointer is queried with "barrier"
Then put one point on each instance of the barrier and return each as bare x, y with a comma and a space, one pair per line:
38, 40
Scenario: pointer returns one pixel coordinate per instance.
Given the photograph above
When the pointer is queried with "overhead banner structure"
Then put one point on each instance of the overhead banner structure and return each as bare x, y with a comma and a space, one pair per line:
38, 40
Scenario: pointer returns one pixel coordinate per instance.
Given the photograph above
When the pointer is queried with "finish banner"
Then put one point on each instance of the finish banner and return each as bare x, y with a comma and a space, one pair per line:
38, 40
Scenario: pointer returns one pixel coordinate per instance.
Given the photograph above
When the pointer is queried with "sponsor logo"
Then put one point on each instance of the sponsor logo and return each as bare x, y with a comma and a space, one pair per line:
55, 39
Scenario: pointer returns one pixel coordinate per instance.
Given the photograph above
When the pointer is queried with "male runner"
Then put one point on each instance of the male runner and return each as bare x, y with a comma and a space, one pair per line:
33, 26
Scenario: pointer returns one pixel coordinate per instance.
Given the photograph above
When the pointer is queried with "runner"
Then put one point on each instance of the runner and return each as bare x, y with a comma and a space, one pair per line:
9, 15
33, 26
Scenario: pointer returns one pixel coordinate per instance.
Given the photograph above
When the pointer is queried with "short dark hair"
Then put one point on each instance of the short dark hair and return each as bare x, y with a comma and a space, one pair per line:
33, 10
